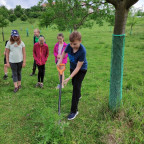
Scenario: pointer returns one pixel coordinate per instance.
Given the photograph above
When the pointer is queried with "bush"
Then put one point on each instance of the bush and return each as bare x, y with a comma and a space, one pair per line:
52, 129
23, 18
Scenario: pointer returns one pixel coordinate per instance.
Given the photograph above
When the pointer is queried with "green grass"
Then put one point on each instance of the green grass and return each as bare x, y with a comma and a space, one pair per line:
27, 116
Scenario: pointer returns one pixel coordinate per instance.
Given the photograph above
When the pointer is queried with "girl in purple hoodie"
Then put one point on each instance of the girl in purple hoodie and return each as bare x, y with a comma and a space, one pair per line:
58, 49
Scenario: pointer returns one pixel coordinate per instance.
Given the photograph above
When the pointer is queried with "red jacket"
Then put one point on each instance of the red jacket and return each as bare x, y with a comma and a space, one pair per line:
40, 53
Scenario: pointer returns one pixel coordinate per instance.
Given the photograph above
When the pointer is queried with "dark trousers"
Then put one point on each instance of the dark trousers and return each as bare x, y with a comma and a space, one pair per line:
16, 71
77, 82
34, 67
5, 60
41, 73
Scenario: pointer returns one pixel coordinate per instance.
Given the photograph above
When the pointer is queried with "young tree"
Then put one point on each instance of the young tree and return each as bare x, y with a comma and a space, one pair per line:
47, 18
132, 19
12, 18
3, 23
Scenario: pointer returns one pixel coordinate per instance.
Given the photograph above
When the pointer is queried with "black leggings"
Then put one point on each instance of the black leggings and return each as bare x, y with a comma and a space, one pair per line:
16, 71
76, 82
41, 73
34, 67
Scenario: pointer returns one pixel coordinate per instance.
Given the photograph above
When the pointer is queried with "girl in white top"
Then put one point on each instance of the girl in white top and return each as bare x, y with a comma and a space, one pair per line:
16, 57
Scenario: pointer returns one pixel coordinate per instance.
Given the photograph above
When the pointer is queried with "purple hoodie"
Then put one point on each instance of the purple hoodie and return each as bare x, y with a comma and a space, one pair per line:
56, 52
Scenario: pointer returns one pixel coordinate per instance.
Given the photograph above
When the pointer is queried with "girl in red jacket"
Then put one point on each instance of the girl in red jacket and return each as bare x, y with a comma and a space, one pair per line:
58, 49
40, 54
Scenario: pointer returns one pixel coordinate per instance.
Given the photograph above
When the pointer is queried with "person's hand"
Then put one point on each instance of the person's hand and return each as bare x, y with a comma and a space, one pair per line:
8, 65
58, 56
66, 81
24, 64
4, 53
59, 62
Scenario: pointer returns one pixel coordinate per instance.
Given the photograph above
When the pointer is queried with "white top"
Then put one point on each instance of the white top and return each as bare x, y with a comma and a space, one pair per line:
60, 49
16, 54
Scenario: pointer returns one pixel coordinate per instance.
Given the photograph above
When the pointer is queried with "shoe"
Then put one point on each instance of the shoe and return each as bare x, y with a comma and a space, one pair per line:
37, 85
32, 74
41, 85
5, 77
15, 90
19, 87
80, 97
71, 116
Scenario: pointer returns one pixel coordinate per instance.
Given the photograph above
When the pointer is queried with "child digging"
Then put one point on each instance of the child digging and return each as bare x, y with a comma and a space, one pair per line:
78, 68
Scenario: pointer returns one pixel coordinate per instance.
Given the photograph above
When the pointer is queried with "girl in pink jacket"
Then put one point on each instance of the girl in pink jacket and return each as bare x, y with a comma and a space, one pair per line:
58, 49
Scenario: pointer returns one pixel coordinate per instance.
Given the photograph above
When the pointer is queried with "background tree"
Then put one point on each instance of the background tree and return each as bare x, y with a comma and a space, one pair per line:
4, 14
111, 17
3, 23
36, 11
12, 18
27, 12
140, 13
11, 11
4, 11
132, 19
18, 11
31, 21
73, 14
34, 15
23, 18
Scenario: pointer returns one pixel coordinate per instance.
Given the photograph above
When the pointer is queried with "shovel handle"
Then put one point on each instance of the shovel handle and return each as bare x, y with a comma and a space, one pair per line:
61, 70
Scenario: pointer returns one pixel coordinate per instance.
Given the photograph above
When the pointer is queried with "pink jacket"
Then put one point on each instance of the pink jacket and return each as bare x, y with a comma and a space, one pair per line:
56, 52
40, 53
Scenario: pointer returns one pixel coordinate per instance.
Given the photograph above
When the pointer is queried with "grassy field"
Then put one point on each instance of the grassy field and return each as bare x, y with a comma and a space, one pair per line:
30, 115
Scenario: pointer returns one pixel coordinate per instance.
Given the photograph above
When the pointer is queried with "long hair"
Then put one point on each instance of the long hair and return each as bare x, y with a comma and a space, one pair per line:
18, 41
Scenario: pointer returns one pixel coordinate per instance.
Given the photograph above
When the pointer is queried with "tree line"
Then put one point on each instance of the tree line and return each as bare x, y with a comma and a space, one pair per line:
64, 14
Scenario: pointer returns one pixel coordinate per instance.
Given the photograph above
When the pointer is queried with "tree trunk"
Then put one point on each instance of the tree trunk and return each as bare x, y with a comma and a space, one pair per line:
121, 15
131, 30
2, 34
116, 77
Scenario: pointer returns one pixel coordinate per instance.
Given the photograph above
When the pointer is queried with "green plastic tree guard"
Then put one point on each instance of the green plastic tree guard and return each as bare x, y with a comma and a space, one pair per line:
116, 76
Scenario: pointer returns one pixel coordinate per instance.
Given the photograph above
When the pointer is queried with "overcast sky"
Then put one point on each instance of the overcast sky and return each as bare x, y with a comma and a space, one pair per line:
29, 3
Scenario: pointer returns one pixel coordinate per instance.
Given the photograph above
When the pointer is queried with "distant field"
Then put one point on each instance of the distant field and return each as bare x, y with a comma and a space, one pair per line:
24, 114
